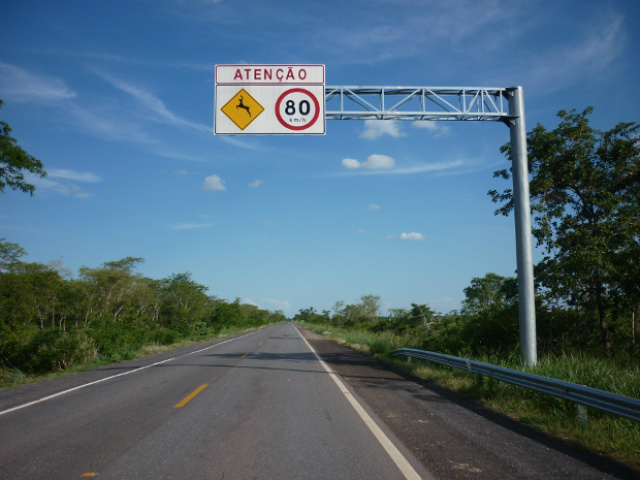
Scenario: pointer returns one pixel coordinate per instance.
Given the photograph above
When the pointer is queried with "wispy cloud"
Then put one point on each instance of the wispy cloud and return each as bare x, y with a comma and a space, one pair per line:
132, 60
190, 226
236, 142
373, 206
590, 54
63, 182
386, 167
102, 123
20, 85
256, 184
412, 26
151, 103
428, 167
71, 175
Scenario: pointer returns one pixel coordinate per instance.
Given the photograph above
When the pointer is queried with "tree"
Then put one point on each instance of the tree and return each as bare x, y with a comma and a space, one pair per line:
185, 292
369, 307
112, 286
422, 315
586, 210
15, 162
9, 254
485, 293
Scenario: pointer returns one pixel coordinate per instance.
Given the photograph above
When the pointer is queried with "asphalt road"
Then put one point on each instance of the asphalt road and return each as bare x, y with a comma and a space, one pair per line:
263, 406
258, 406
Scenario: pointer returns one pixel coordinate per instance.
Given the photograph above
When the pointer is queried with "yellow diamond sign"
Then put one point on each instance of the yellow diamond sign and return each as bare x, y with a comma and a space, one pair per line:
242, 109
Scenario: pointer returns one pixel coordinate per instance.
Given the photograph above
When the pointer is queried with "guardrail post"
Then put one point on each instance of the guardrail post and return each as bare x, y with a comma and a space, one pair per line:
522, 211
583, 415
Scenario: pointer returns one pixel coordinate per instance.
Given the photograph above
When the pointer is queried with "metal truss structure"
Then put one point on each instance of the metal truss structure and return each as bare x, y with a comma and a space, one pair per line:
505, 104
417, 103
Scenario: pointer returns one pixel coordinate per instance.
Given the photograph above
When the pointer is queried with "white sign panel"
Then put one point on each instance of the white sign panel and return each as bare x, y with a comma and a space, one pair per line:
269, 100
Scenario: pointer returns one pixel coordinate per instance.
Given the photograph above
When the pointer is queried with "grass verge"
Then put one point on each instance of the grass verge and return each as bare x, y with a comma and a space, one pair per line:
13, 377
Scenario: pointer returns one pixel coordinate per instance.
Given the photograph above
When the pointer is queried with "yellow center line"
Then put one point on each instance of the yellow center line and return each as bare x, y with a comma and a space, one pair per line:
248, 353
189, 397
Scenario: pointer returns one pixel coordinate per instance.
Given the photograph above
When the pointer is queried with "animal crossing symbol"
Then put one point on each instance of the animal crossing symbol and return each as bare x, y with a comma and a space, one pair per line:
242, 109
242, 105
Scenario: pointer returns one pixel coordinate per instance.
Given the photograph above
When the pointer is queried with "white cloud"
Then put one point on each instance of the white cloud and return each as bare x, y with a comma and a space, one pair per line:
373, 206
350, 163
373, 162
181, 172
410, 237
413, 236
20, 85
248, 301
213, 183
256, 184
379, 162
377, 128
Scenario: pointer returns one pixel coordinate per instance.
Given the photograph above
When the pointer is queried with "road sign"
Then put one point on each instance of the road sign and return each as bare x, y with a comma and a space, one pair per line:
297, 109
242, 109
269, 100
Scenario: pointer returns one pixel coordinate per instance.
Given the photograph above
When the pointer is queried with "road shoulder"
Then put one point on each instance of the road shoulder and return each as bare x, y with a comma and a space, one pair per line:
455, 438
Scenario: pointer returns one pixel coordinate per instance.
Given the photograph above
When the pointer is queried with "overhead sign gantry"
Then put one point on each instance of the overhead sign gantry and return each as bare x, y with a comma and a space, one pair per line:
289, 108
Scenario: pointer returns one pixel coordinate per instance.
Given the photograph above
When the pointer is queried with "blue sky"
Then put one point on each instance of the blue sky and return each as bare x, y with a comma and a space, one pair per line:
116, 98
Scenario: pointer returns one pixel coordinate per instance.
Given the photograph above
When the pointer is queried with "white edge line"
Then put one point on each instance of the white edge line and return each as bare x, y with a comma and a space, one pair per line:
43, 399
401, 462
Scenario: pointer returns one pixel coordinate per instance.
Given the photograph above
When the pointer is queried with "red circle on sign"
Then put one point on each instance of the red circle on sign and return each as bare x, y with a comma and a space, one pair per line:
305, 92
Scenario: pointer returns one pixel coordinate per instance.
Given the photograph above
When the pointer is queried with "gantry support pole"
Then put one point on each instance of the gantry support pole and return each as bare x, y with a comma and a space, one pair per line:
522, 211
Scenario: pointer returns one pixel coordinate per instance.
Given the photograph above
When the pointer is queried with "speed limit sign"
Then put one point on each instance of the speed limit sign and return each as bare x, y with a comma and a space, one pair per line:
297, 109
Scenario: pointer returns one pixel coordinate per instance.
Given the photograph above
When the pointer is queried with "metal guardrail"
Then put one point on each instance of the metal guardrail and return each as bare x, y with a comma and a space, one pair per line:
591, 397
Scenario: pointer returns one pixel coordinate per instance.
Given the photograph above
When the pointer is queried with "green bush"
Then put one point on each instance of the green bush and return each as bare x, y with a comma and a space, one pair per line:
164, 336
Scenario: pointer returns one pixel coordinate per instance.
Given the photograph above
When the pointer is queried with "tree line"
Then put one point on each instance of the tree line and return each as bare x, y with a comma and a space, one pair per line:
50, 320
